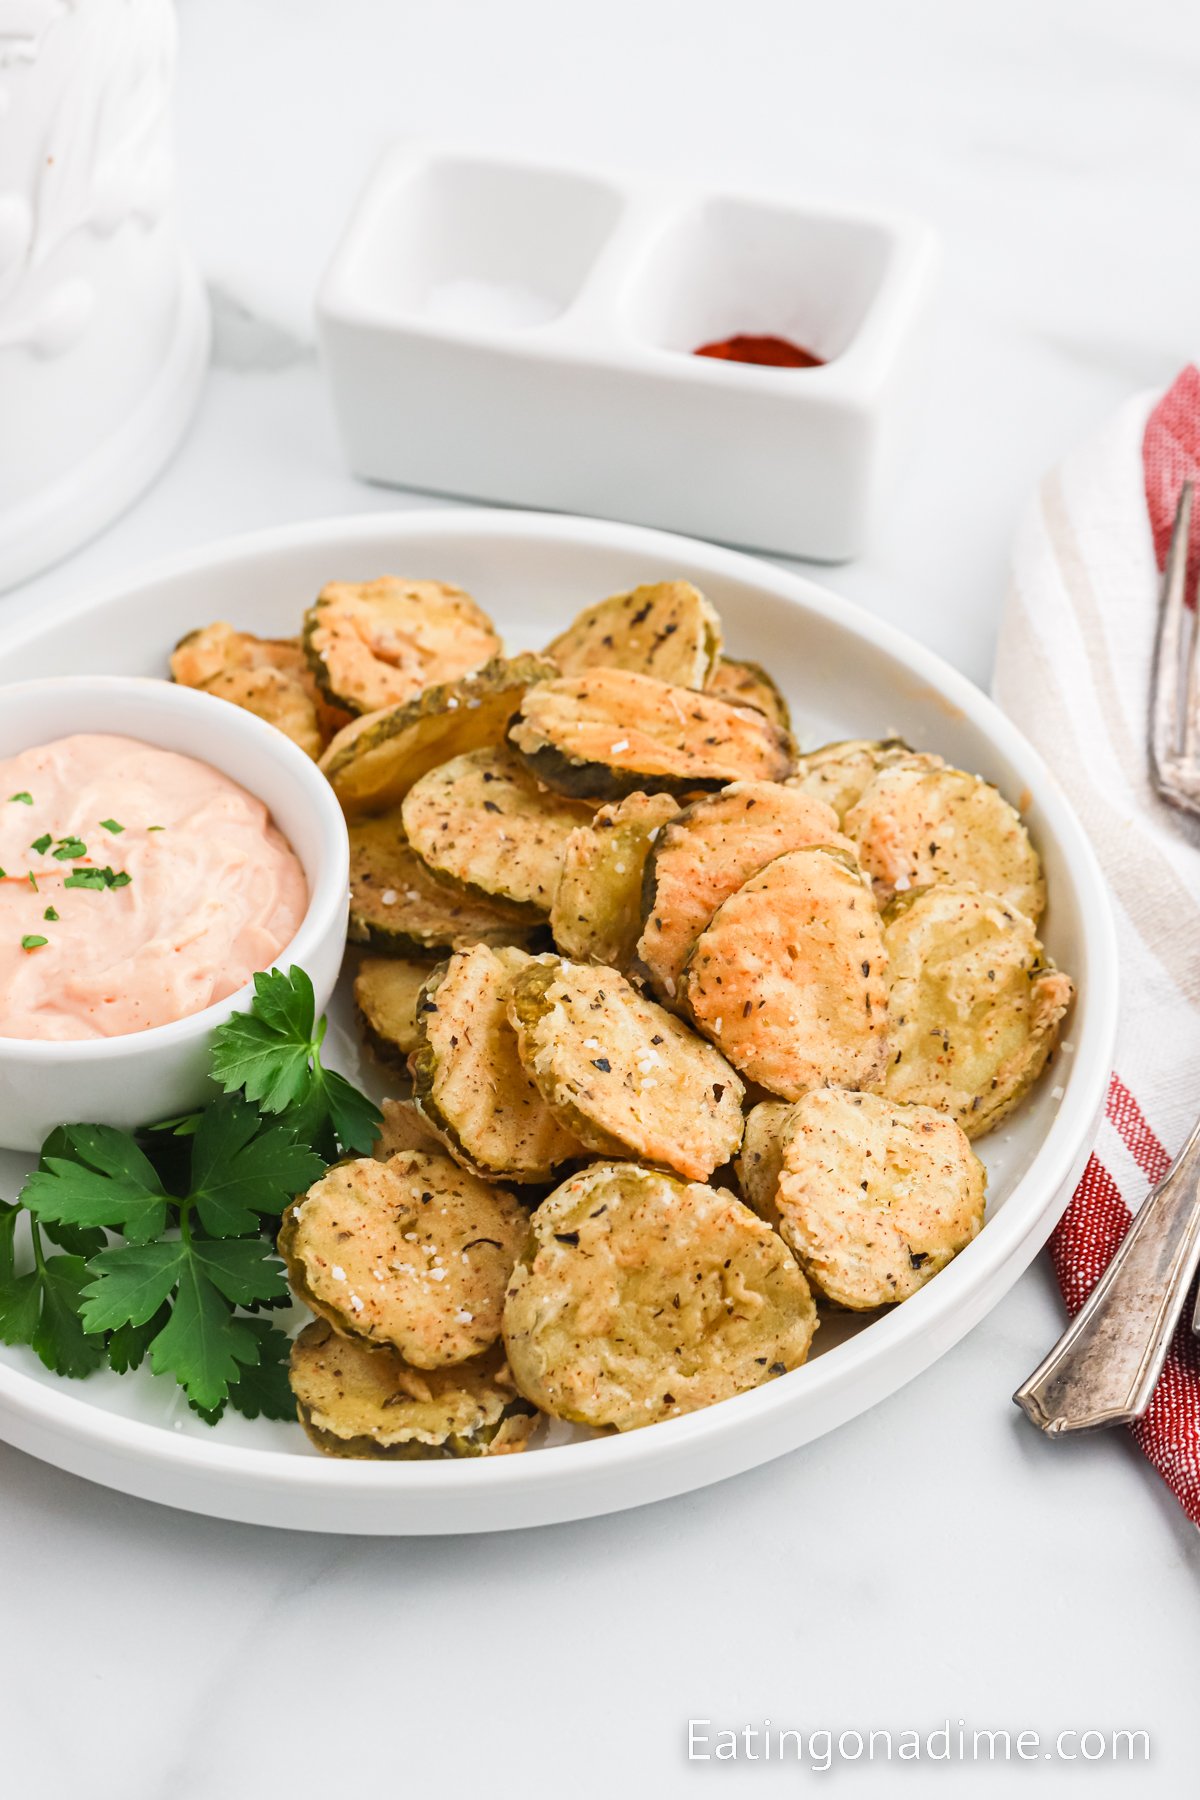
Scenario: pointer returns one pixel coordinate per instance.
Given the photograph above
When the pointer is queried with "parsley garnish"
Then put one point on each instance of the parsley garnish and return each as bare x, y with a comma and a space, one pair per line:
110, 825
167, 1252
188, 1262
156, 828
51, 915
97, 878
33, 942
69, 849
22, 799
3, 875
41, 1306
273, 1053
42, 844
32, 879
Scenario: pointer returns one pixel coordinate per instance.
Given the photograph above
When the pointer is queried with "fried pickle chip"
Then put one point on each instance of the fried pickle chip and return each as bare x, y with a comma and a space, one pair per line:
746, 684
620, 1073
789, 978
398, 908
875, 1198
403, 1128
412, 1252
838, 773
470, 1082
386, 992
269, 677
483, 823
610, 732
362, 1401
666, 629
706, 854
376, 643
596, 915
373, 762
641, 1297
975, 1007
915, 827
760, 1160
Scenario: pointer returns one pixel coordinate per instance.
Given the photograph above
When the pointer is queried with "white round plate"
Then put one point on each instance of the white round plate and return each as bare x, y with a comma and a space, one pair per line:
846, 675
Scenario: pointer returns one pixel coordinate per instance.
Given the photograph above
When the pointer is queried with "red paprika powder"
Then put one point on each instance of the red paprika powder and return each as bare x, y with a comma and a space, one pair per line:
769, 352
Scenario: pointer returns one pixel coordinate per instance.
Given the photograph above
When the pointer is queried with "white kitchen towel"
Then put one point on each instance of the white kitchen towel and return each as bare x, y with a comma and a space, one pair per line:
1073, 670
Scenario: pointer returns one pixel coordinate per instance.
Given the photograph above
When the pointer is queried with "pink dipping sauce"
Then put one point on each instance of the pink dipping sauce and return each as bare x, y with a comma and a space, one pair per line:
214, 892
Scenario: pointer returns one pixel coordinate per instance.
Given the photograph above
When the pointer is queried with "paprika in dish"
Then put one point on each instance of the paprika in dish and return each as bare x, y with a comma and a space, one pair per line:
768, 352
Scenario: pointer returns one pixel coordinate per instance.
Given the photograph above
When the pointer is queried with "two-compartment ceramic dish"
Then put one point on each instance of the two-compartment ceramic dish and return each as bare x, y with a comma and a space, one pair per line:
521, 333
845, 675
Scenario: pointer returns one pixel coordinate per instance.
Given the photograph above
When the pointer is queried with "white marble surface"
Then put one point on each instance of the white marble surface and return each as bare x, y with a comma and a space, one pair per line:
934, 1559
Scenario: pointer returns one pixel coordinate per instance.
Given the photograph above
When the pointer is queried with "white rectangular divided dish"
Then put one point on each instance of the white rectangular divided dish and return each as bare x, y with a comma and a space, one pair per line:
526, 334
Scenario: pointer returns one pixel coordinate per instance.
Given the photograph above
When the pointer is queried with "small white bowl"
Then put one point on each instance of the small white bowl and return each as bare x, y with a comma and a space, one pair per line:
131, 1080
595, 402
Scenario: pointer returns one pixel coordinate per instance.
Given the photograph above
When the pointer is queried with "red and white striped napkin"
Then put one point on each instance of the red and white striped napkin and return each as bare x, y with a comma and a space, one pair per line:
1073, 670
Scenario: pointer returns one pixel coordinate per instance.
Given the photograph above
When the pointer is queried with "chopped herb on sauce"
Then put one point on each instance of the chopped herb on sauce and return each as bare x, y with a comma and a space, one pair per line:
21, 799
42, 844
33, 943
69, 849
97, 878
51, 915
110, 825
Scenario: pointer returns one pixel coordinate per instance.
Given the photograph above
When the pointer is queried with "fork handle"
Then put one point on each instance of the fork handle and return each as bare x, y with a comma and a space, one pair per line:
1104, 1368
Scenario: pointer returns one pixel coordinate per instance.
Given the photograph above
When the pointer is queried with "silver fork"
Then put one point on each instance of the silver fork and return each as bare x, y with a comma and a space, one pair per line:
1104, 1368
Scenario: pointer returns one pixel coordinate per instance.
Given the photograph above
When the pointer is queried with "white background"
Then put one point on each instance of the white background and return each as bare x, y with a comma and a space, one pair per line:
935, 1559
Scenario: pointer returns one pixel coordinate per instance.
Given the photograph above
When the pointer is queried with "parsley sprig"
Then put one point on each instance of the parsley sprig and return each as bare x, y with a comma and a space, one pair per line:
161, 1253
273, 1055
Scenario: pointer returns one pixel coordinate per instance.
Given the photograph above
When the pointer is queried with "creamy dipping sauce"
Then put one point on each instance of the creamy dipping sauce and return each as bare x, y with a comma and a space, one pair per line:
137, 886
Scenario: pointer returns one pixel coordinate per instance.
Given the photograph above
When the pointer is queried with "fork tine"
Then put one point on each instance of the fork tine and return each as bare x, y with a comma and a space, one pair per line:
1174, 680
1190, 675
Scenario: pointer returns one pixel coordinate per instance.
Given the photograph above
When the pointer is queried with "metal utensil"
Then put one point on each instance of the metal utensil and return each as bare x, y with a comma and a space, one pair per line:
1104, 1368
1175, 689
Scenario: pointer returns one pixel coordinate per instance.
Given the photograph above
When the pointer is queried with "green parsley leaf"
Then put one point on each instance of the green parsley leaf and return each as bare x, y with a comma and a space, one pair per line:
244, 1270
51, 915
273, 1053
262, 1389
202, 1344
101, 1178
33, 942
268, 1051
110, 825
356, 1119
128, 1344
97, 878
22, 798
32, 879
3, 874
9, 1214
20, 1308
42, 1309
130, 1282
79, 1240
182, 1125
42, 844
239, 1171
69, 849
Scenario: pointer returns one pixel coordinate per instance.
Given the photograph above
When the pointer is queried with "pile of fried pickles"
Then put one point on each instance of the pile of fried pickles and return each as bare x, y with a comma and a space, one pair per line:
690, 1033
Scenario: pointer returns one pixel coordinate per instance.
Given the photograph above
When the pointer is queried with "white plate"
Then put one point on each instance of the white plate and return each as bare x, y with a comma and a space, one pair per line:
845, 675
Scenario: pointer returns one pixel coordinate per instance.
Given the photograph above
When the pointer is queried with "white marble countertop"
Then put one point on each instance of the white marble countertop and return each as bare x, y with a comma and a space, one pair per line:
935, 1559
